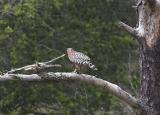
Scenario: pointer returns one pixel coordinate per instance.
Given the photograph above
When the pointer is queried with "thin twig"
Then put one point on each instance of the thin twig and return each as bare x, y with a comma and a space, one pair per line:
41, 65
51, 61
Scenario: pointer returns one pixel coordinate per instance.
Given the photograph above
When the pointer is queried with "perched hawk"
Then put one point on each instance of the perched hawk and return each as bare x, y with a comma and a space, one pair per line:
78, 59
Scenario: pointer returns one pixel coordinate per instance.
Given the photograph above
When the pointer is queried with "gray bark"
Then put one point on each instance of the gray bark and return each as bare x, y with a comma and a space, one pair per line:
148, 36
149, 28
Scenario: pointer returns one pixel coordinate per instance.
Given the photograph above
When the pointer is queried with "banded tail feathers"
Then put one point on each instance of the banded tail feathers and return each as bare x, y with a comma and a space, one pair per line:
90, 65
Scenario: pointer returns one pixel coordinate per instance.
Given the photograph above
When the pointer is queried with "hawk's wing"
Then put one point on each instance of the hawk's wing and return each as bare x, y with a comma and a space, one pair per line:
80, 58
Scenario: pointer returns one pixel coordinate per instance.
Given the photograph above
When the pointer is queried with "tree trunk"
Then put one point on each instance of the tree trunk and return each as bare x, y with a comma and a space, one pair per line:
150, 80
149, 31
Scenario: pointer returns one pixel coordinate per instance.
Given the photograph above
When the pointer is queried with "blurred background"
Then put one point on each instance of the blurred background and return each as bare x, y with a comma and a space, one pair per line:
39, 30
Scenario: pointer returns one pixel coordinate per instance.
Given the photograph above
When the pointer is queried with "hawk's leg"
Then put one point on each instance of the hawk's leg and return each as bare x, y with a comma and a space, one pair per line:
77, 68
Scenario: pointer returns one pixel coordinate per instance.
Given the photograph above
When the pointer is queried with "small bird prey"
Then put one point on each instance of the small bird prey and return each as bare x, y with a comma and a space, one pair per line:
78, 59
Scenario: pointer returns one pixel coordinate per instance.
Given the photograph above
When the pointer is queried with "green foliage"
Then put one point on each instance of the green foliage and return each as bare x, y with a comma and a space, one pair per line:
39, 30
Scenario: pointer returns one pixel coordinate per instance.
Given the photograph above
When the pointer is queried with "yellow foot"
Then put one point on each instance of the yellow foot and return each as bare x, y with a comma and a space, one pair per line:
75, 71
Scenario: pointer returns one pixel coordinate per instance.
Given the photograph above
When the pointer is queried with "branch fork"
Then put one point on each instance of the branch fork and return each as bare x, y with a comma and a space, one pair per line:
128, 29
38, 66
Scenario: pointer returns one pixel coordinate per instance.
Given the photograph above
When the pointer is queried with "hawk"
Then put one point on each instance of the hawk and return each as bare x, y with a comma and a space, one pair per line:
78, 59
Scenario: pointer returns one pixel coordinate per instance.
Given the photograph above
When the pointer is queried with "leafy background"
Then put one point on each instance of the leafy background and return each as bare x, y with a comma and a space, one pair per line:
38, 30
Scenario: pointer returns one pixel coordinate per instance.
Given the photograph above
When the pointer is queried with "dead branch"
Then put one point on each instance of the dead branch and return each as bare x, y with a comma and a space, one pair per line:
128, 29
53, 60
107, 86
39, 66
62, 76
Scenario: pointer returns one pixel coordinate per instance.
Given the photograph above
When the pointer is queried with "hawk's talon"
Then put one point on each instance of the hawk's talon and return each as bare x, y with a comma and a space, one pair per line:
75, 71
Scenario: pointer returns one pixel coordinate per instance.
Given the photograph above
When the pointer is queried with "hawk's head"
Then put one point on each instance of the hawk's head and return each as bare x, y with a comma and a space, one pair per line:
70, 50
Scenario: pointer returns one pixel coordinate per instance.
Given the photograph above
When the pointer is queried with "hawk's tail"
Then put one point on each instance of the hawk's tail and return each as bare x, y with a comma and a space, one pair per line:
92, 66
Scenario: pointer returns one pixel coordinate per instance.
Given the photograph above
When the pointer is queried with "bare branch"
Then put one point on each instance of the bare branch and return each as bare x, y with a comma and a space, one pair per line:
51, 61
129, 29
107, 86
39, 66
